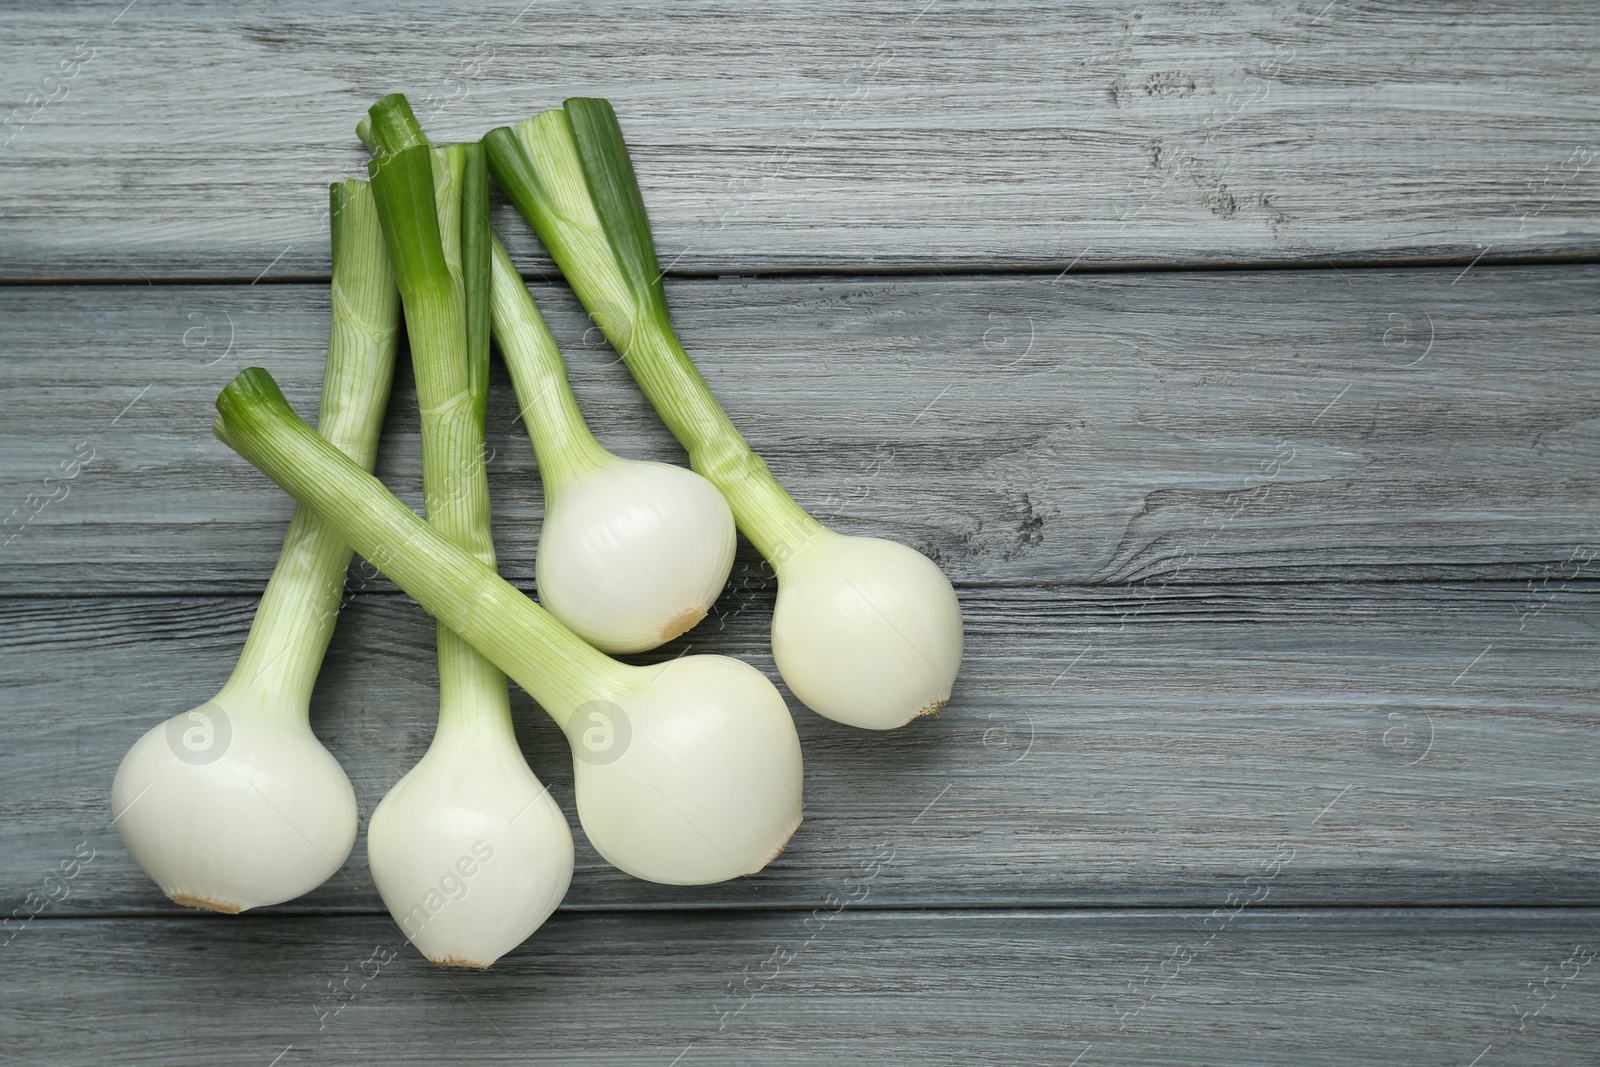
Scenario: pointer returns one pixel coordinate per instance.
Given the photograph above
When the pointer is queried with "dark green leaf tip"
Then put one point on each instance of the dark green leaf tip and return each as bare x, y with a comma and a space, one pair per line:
402, 185
512, 168
476, 249
614, 189
336, 202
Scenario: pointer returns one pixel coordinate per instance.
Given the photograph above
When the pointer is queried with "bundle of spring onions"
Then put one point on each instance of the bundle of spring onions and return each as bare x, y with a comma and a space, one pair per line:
686, 772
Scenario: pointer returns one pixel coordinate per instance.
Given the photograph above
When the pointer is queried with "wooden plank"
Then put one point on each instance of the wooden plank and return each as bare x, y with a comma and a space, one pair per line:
1401, 743
1264, 986
182, 140
1144, 427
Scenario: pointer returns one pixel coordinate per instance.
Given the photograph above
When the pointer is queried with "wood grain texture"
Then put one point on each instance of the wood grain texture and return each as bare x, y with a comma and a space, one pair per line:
1149, 988
1280, 586
196, 140
1145, 428
1420, 744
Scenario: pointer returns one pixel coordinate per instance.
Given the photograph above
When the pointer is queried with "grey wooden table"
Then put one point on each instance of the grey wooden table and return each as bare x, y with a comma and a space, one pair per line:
1236, 360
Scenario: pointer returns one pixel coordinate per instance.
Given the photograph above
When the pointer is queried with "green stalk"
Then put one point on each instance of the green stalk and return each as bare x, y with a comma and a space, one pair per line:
561, 439
569, 173
557, 668
419, 194
296, 616
391, 126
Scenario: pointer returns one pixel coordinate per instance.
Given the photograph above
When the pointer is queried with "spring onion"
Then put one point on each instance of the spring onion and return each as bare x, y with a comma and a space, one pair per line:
236, 804
469, 851
865, 631
632, 553
686, 772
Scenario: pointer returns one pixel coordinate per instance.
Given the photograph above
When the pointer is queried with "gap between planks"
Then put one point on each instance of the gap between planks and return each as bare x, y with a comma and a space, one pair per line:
951, 270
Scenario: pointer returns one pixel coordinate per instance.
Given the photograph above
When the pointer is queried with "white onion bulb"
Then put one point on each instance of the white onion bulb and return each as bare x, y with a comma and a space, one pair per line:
866, 632
469, 851
234, 806
692, 778
633, 554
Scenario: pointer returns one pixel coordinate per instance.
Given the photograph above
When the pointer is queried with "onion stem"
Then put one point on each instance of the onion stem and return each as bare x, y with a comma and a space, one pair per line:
295, 618
562, 441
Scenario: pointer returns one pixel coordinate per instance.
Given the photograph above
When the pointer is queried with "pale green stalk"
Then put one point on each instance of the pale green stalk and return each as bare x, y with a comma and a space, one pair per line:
295, 619
562, 441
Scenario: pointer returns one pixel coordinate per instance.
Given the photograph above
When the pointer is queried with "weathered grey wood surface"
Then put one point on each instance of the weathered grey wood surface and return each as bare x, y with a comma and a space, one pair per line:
1280, 584
196, 142
1160, 427
1431, 745
1260, 986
